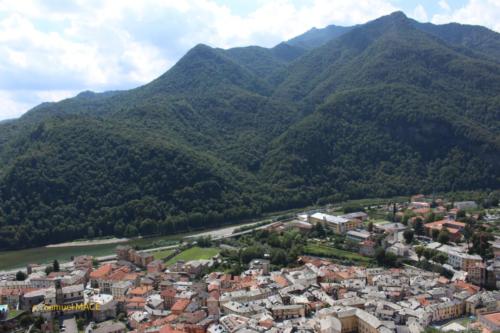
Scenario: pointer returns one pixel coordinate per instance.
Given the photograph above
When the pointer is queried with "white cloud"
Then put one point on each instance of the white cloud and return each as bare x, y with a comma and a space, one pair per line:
480, 12
49, 48
444, 5
419, 13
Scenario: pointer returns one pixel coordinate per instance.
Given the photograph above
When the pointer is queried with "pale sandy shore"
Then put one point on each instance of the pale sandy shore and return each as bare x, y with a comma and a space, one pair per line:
90, 242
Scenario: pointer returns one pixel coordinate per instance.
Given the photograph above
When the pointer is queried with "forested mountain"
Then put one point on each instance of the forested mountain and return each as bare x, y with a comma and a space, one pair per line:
390, 107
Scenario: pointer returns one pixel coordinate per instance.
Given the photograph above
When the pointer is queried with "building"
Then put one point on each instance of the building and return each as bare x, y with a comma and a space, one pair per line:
357, 235
119, 289
448, 310
454, 228
261, 264
465, 205
356, 215
288, 311
490, 320
337, 224
104, 307
367, 248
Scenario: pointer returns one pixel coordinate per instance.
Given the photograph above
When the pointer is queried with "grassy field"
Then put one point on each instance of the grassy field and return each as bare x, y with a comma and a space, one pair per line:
331, 252
194, 253
14, 313
162, 254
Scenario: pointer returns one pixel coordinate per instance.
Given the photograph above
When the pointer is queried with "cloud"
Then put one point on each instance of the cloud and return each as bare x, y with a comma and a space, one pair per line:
480, 12
52, 46
444, 5
419, 13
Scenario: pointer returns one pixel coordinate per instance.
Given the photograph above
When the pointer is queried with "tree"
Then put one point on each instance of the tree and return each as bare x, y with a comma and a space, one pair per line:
408, 235
435, 234
428, 254
90, 232
279, 257
20, 276
444, 236
80, 324
49, 269
370, 226
468, 232
431, 217
319, 230
385, 258
419, 250
440, 258
419, 226
55, 265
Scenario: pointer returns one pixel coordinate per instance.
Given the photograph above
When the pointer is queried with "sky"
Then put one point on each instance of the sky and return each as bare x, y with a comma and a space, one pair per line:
52, 49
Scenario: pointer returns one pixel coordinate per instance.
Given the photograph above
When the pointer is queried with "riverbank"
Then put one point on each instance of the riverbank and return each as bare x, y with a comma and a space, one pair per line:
90, 242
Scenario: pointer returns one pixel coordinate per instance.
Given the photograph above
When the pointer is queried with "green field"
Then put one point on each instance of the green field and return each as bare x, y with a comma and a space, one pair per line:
331, 252
44, 255
14, 313
194, 253
162, 254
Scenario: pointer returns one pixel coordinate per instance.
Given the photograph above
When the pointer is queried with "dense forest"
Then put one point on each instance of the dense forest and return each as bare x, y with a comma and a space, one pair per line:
390, 107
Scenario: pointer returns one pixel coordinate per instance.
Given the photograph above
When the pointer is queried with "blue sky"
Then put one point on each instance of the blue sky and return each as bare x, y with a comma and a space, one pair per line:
51, 49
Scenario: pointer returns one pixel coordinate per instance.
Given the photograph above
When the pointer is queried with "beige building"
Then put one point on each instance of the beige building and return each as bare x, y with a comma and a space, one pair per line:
448, 310
288, 311
337, 224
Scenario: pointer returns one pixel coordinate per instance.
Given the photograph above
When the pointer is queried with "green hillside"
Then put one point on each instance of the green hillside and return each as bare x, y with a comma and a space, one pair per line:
391, 107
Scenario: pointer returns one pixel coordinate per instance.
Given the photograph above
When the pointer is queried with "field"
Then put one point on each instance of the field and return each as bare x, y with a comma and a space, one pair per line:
194, 253
14, 313
331, 252
162, 254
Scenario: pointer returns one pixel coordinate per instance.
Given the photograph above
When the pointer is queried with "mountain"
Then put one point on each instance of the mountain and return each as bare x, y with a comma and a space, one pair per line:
390, 107
317, 37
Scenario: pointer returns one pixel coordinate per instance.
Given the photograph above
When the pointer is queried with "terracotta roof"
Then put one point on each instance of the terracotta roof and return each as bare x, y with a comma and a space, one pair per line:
101, 272
280, 280
180, 305
170, 329
169, 292
140, 291
493, 318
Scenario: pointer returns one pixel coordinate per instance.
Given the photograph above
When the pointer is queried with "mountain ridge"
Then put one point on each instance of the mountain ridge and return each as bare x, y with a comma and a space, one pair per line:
379, 109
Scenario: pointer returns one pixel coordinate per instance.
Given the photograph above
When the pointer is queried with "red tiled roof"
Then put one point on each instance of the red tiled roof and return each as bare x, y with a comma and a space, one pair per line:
140, 291
101, 272
493, 318
180, 305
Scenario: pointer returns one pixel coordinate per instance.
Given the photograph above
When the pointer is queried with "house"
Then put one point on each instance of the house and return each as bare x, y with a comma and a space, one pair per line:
179, 306
465, 205
454, 228
261, 264
367, 248
490, 320
288, 311
104, 307
358, 235
155, 266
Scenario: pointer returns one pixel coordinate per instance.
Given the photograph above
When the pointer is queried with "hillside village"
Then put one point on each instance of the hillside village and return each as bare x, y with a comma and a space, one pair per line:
424, 264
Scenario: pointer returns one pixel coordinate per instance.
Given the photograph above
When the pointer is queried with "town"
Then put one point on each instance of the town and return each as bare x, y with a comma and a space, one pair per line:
424, 264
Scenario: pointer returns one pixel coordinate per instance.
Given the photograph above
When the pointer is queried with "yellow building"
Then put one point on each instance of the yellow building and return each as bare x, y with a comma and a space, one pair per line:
448, 310
337, 224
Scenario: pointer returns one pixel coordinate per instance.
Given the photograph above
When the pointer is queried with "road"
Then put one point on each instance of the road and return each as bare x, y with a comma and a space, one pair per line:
225, 232
70, 325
